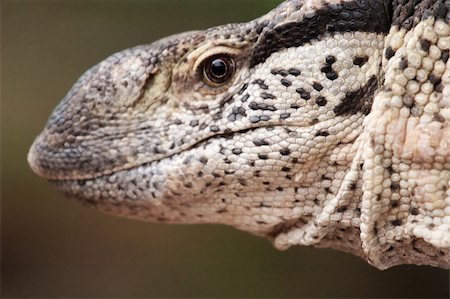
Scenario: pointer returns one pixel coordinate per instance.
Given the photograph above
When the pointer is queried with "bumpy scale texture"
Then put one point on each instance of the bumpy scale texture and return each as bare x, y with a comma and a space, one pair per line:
330, 128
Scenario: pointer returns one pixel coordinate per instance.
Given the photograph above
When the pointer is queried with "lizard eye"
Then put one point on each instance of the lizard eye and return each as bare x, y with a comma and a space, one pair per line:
218, 70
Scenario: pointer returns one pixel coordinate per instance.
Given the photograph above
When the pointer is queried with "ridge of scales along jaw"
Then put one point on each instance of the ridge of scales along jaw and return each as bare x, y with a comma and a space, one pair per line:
250, 125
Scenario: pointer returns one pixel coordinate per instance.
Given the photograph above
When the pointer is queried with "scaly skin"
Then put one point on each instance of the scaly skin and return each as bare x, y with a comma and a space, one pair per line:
328, 126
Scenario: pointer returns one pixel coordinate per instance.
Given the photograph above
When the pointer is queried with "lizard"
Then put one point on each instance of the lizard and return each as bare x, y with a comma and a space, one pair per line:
321, 123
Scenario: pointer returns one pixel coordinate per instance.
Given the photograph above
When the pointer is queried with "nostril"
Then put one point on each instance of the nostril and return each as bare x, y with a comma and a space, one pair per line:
145, 87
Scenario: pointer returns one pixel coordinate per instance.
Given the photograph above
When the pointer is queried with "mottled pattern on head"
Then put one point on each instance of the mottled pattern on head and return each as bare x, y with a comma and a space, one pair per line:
288, 143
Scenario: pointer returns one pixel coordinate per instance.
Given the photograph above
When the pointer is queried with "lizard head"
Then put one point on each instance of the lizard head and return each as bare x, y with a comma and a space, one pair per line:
250, 124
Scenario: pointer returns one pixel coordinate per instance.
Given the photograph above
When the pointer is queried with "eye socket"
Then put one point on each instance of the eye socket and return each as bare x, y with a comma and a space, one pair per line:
218, 70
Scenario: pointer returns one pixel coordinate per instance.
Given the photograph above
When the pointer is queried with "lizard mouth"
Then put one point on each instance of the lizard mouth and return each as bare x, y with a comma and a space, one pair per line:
42, 165
163, 183
150, 182
175, 153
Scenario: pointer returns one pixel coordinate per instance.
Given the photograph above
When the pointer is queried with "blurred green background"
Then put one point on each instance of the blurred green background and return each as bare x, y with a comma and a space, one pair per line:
52, 247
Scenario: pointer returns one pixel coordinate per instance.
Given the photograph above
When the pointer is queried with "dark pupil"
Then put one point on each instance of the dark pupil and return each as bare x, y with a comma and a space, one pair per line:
218, 68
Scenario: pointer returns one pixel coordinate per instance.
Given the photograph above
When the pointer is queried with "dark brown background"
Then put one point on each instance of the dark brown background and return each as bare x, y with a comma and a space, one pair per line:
52, 247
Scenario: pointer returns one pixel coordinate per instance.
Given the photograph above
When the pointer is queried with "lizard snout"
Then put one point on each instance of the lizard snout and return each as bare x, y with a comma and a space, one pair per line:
110, 119
96, 118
